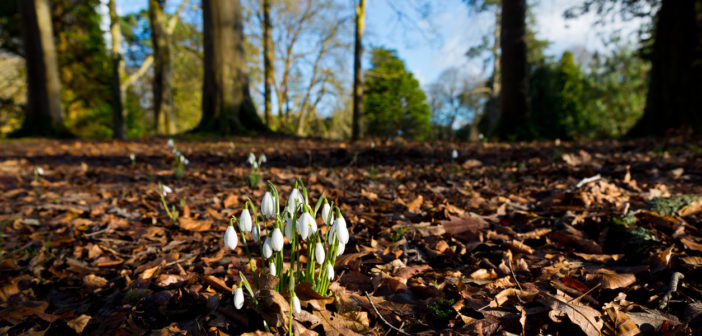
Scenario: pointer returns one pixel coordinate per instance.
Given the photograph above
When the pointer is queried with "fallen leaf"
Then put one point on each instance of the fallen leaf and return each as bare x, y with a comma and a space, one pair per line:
92, 280
189, 224
79, 323
589, 320
613, 280
622, 324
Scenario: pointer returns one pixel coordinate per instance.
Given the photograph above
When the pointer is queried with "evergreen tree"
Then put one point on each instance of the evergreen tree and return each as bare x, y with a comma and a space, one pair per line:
394, 104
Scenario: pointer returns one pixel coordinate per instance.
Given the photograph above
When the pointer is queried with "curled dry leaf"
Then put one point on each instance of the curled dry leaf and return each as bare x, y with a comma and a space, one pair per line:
614, 280
483, 274
691, 244
190, 224
620, 323
519, 247
92, 280
589, 320
504, 295
79, 323
274, 308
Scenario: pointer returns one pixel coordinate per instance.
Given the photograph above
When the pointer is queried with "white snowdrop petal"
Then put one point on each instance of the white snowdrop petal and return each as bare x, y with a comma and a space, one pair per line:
340, 249
277, 240
230, 238
319, 253
330, 272
271, 267
326, 209
268, 205
256, 233
296, 305
245, 221
267, 251
239, 298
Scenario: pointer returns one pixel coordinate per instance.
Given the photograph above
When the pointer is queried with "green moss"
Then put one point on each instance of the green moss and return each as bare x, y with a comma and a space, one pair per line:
443, 308
669, 206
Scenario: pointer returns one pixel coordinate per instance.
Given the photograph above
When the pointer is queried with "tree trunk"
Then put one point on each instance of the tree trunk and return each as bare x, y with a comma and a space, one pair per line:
513, 119
674, 97
118, 129
227, 107
493, 111
163, 70
43, 110
267, 61
357, 74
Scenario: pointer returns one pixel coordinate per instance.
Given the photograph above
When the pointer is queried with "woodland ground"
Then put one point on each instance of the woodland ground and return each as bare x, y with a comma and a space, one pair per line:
503, 238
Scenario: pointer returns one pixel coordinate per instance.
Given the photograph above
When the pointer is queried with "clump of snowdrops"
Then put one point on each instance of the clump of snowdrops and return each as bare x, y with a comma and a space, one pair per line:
179, 160
295, 228
255, 174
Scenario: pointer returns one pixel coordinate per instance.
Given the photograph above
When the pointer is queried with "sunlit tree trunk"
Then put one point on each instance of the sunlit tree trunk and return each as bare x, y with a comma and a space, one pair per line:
267, 61
43, 111
163, 69
227, 107
357, 74
513, 119
674, 97
118, 129
494, 108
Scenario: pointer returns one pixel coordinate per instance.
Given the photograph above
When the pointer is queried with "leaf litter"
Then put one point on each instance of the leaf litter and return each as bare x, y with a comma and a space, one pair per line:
519, 238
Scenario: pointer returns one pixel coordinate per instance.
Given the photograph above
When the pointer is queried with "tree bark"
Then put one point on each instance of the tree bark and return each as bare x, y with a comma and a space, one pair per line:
267, 61
163, 70
494, 109
513, 119
43, 110
227, 107
118, 128
674, 96
357, 71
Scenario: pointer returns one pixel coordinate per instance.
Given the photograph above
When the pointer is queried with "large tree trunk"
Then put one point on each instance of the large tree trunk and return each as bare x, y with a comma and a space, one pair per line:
163, 70
515, 114
267, 61
227, 107
357, 74
675, 91
118, 129
43, 114
494, 108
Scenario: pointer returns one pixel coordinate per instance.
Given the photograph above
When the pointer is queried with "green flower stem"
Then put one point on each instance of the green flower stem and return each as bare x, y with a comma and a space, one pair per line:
165, 205
248, 288
246, 248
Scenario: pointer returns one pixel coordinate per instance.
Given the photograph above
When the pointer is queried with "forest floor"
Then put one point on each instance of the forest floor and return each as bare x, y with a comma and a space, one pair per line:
550, 238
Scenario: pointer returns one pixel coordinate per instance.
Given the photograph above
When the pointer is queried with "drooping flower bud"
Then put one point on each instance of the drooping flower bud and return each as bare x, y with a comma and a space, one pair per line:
252, 159
342, 233
454, 154
170, 143
303, 225
165, 190
266, 250
296, 304
288, 230
326, 210
268, 209
239, 298
330, 271
262, 158
340, 249
230, 238
245, 222
256, 233
271, 267
295, 200
277, 240
319, 252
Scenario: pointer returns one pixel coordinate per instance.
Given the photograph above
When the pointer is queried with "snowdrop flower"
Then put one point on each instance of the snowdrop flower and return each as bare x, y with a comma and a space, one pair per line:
256, 233
481, 136
326, 210
245, 222
340, 249
132, 157
454, 154
342, 233
262, 158
40, 171
296, 304
319, 253
295, 200
330, 272
252, 159
268, 205
170, 143
277, 240
239, 298
230, 238
303, 225
288, 230
267, 252
271, 267
165, 190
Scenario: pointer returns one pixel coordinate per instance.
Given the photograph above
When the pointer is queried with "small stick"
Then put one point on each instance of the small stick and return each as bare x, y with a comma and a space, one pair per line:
584, 294
383, 319
514, 276
672, 288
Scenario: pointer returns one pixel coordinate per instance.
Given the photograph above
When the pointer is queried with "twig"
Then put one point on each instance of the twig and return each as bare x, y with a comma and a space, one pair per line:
514, 276
584, 294
672, 288
586, 181
399, 330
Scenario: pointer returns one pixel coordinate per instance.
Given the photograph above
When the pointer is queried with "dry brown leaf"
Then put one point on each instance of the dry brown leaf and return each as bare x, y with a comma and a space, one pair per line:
79, 323
334, 324
415, 204
231, 201
483, 274
589, 320
92, 280
274, 308
622, 325
149, 272
614, 280
19, 312
691, 244
519, 247
190, 224
691, 209
216, 283
504, 295
601, 258
694, 261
